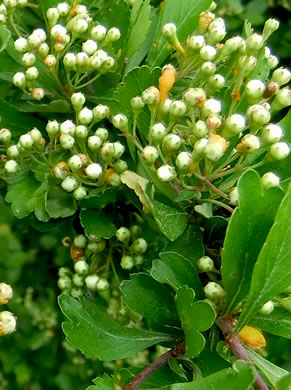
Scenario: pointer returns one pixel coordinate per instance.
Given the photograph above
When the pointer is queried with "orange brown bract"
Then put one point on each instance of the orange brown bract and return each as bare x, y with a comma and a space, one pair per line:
252, 337
205, 19
108, 173
76, 252
166, 81
62, 165
235, 95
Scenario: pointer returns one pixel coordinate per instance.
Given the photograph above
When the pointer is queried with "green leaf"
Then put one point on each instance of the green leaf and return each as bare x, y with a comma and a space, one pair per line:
278, 322
224, 379
60, 204
204, 209
247, 230
28, 195
97, 224
195, 317
171, 221
149, 298
104, 383
185, 15
56, 106
270, 371
284, 383
4, 37
272, 272
176, 270
187, 194
99, 200
98, 335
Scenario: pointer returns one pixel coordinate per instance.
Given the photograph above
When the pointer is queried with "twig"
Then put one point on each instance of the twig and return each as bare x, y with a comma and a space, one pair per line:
239, 350
142, 376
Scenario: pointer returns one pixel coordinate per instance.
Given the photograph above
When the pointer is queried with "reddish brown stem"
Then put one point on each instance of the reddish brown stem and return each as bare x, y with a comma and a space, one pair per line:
173, 353
239, 350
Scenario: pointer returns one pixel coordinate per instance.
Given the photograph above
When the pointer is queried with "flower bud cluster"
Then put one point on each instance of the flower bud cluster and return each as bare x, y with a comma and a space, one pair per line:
7, 319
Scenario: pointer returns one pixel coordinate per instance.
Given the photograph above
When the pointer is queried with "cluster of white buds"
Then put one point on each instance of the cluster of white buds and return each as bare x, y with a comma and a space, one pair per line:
7, 319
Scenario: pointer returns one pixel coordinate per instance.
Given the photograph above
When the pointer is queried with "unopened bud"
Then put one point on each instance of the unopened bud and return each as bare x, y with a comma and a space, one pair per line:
151, 96
271, 134
120, 121
215, 148
205, 264
254, 43
234, 196
249, 143
279, 150
271, 25
194, 96
67, 141
94, 171
7, 323
69, 184
166, 173
269, 180
183, 161
6, 293
214, 291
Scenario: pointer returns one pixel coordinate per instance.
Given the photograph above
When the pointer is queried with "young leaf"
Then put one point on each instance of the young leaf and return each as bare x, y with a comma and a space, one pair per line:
171, 221
104, 383
60, 204
99, 200
176, 270
185, 15
195, 317
245, 235
98, 335
97, 224
4, 37
278, 322
157, 302
284, 383
272, 272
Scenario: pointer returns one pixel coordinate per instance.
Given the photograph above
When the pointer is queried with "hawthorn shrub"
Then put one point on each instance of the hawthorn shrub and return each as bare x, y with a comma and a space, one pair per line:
145, 156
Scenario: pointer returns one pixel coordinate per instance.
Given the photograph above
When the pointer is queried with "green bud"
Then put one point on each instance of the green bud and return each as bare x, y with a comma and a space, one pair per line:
205, 264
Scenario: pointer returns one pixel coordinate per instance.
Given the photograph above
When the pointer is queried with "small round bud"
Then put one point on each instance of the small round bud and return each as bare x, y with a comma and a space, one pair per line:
271, 134
80, 241
7, 323
267, 308
150, 154
113, 34
279, 150
85, 116
20, 45
233, 196
207, 53
211, 106
80, 26
81, 61
230, 46
215, 148
171, 142
118, 149
286, 303
139, 246
69, 184
138, 260
78, 100
177, 109
63, 9
281, 76
6, 293
75, 163
216, 34
214, 121
254, 43
194, 96
91, 282
10, 3
282, 99
195, 42
52, 128
67, 141
272, 61
158, 132
113, 178
81, 267
183, 161
19, 80
70, 60
93, 171
43, 50
98, 33
151, 96
94, 142
169, 30
120, 166
26, 141
58, 31
260, 116
50, 61
271, 89
216, 82
269, 180
120, 121
122, 234
254, 90
81, 132
107, 151
102, 285
166, 173
271, 25
90, 47
13, 151
205, 19
199, 148
96, 246
214, 291
249, 143
37, 93
207, 69
78, 280
101, 112
52, 15
77, 292
205, 264
35, 135
3, 19
234, 124
31, 73
68, 128
5, 135
200, 129
64, 283
11, 166
136, 104
127, 262
60, 170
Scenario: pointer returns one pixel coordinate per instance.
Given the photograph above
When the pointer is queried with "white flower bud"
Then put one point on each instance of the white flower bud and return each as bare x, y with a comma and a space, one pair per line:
166, 173
234, 124
122, 234
260, 117
231, 45
80, 241
208, 68
50, 61
171, 142
282, 99
6, 293
96, 246
91, 282
13, 151
216, 34
102, 133
81, 267
108, 63
77, 292
78, 280
28, 59
81, 132
10, 3
52, 128
254, 43
107, 151
151, 96
136, 104
118, 150
157, 132
93, 171
63, 9
82, 60
169, 30
139, 246
214, 291
271, 134
138, 260
94, 142
113, 34
215, 148
58, 31
41, 34
75, 162
214, 121
85, 116
268, 307
20, 45
102, 285
177, 109
150, 154
68, 128
193, 96
80, 26
94, 62
183, 161
234, 196
7, 323
216, 82
249, 143
37, 93
205, 264
279, 150
195, 42
43, 50
200, 129
127, 262
120, 166
67, 141
11, 166
98, 33
100, 112
255, 90
272, 61
52, 15
70, 61
31, 73
69, 184
207, 53
120, 121
26, 141
269, 180
3, 9
281, 76
271, 25
247, 63
78, 100
3, 19
211, 106
35, 135
199, 148
89, 47
5, 135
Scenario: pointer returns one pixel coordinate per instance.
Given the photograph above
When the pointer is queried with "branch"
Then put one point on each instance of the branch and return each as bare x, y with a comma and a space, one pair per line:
239, 350
142, 376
